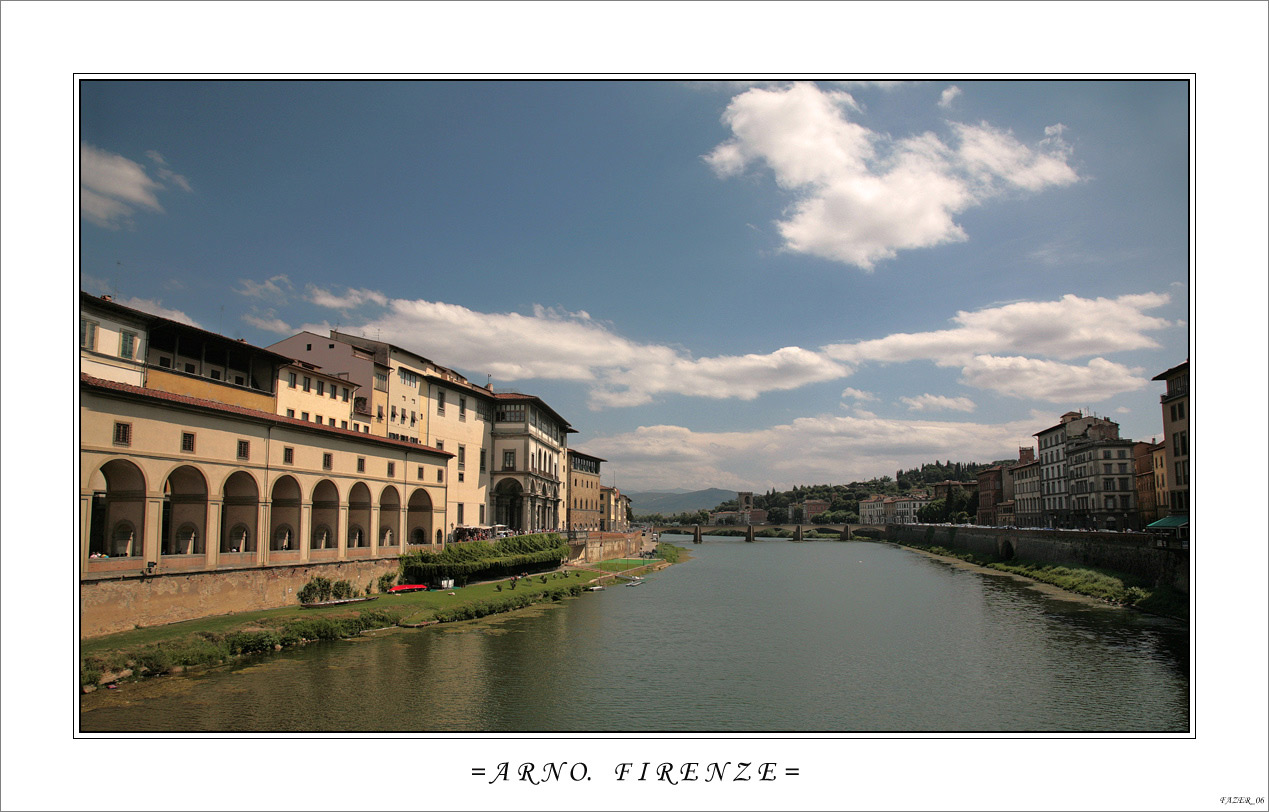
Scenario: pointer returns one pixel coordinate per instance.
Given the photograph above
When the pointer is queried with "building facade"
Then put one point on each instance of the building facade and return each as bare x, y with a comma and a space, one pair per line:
585, 507
1176, 436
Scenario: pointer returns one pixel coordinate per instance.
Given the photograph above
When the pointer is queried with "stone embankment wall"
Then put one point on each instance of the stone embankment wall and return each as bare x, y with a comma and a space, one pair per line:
1136, 554
603, 546
118, 604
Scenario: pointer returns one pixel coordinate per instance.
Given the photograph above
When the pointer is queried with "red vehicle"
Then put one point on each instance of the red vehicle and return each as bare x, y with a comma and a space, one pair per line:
407, 588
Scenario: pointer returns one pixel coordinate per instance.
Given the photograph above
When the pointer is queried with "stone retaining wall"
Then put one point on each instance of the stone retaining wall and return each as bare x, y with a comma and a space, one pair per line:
1136, 554
115, 605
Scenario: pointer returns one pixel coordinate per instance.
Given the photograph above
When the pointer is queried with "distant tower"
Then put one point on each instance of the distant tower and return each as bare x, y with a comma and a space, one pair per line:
744, 503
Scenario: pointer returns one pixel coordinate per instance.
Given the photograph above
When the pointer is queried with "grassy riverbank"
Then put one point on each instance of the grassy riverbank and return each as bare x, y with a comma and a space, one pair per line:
1105, 585
210, 641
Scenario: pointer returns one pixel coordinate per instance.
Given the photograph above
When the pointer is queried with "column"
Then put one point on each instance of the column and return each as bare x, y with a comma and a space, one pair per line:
263, 533
212, 530
305, 530
342, 530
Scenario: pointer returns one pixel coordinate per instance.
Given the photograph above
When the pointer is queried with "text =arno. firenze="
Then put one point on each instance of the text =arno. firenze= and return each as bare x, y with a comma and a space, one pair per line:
688, 771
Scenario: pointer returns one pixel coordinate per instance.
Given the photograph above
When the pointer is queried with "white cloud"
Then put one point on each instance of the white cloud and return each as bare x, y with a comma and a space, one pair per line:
1070, 327
269, 323
348, 300
153, 307
1055, 382
112, 187
274, 288
861, 196
558, 345
949, 95
809, 449
928, 402
851, 392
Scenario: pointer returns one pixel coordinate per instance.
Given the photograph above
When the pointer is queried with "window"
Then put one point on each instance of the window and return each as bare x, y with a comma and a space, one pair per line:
462, 409
482, 459
321, 388
440, 402
440, 444
412, 417
462, 457
88, 334
308, 384
127, 344
345, 388
343, 424
420, 472
189, 368
123, 434
244, 450
510, 414
165, 362
508, 460
187, 441
238, 379
290, 413
330, 421
440, 474
328, 461
304, 416
215, 373
333, 393
392, 469
394, 412
361, 465
380, 415
288, 455
319, 420
460, 513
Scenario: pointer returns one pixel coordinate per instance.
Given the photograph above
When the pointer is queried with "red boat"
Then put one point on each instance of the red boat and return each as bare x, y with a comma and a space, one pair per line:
407, 588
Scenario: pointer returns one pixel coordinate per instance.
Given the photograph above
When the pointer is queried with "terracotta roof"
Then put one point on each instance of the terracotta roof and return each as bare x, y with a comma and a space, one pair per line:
255, 414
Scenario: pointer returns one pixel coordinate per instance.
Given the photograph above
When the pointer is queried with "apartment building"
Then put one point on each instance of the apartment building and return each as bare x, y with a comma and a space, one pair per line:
1027, 508
616, 510
1101, 483
1147, 491
1054, 473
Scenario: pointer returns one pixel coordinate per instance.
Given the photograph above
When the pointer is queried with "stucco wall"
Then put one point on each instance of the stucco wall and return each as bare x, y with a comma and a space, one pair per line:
115, 605
1130, 553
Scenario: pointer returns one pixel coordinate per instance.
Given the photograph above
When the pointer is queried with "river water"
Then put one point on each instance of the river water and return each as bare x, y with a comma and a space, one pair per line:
774, 636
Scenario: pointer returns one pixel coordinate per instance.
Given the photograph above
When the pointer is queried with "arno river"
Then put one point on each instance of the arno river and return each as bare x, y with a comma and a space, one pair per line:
775, 636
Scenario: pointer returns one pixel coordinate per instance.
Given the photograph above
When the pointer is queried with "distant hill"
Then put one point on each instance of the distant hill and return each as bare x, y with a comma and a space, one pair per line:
668, 504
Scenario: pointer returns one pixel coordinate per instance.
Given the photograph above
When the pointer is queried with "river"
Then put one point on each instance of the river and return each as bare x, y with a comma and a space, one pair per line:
768, 637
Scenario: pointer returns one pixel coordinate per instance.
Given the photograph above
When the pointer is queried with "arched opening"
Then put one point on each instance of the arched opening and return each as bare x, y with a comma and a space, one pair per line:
117, 521
184, 512
418, 518
241, 500
509, 504
389, 518
325, 516
1006, 550
285, 514
358, 516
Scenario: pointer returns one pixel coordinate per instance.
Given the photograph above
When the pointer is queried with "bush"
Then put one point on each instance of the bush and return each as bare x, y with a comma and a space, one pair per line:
250, 641
153, 659
387, 580
342, 590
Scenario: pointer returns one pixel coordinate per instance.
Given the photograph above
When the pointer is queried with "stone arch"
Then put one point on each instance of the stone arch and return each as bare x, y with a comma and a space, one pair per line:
241, 499
117, 520
325, 533
509, 504
358, 515
1006, 549
389, 517
285, 514
418, 519
184, 528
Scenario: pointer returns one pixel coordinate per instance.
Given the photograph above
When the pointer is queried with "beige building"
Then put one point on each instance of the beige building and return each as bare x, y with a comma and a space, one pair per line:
307, 393
615, 508
585, 507
174, 482
1055, 496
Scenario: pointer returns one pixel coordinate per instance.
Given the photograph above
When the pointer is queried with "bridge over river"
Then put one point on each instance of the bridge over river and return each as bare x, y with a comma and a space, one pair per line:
844, 531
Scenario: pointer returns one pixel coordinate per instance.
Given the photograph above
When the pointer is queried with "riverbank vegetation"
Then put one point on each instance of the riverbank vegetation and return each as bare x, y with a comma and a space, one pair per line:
212, 641
1106, 585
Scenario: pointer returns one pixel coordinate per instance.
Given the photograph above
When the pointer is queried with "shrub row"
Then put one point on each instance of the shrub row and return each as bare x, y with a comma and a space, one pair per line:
480, 559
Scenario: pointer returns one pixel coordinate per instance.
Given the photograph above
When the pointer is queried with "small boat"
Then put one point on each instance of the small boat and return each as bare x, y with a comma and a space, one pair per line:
596, 589
635, 582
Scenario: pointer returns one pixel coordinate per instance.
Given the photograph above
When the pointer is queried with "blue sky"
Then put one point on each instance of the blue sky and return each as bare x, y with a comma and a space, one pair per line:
720, 284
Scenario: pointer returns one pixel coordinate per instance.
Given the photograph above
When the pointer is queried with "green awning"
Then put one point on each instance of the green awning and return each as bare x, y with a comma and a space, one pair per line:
1169, 522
